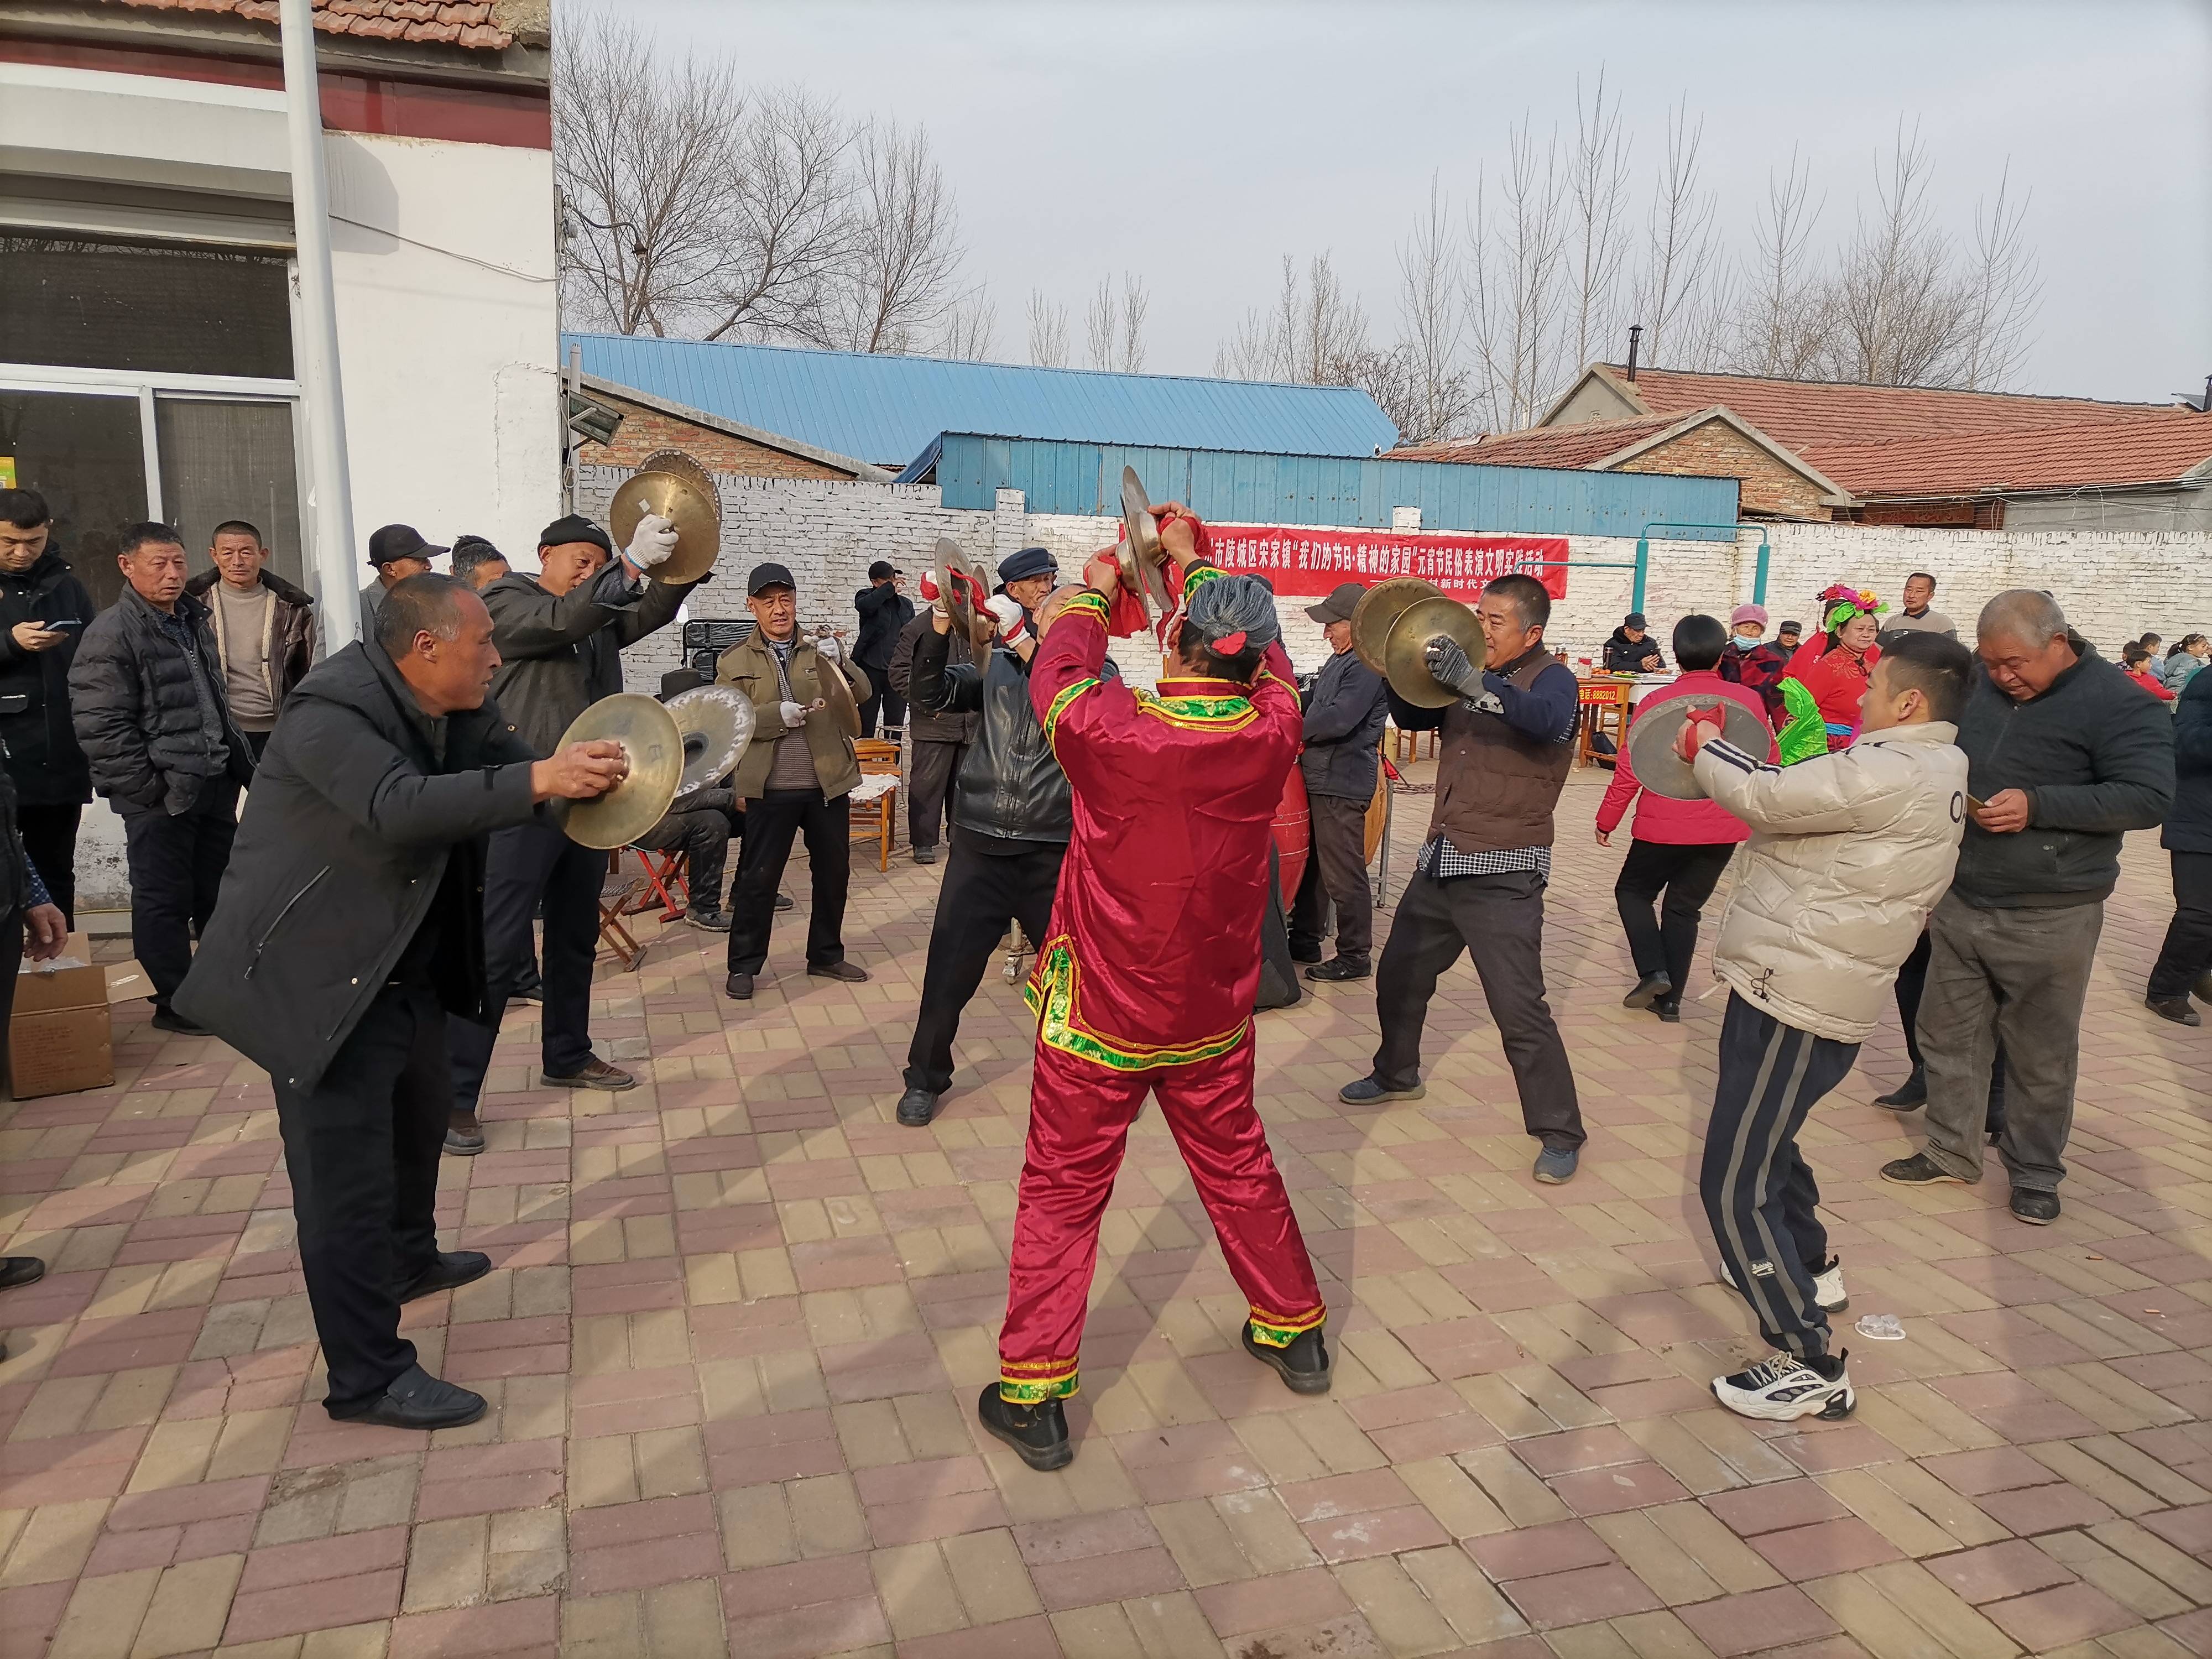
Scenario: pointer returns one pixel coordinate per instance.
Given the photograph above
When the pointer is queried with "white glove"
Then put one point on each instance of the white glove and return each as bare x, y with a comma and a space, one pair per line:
652, 543
827, 649
1012, 623
794, 716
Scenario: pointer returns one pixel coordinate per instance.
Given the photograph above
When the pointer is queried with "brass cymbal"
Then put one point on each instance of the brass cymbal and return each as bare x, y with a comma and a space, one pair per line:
829, 685
1659, 722
1405, 653
1141, 557
715, 724
654, 748
670, 484
973, 623
1378, 608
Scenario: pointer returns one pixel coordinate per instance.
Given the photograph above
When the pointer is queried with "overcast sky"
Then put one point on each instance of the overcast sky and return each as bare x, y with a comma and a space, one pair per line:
1196, 142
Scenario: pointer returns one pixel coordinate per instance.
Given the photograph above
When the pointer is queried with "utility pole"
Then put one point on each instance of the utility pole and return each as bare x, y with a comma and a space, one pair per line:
316, 351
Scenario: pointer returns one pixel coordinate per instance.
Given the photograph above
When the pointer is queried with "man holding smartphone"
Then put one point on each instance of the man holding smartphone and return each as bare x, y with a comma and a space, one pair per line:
43, 612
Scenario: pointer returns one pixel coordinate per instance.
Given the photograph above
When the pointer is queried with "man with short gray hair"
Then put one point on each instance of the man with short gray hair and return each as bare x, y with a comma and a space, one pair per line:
2064, 755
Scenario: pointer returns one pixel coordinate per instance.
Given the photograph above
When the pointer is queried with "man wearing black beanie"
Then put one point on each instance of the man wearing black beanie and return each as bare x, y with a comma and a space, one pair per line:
560, 635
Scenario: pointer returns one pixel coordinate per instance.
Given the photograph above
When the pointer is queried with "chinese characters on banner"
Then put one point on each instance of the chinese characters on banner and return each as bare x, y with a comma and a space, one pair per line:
1305, 561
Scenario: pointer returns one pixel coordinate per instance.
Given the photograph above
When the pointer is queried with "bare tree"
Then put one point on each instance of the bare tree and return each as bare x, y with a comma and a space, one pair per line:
1429, 394
1512, 272
971, 328
1783, 324
1136, 305
789, 229
1901, 315
901, 279
1314, 333
644, 158
2003, 293
1114, 325
1597, 239
1047, 331
1683, 292
1101, 326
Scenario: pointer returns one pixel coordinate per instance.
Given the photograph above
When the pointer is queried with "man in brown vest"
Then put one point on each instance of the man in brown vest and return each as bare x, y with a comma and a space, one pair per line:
1479, 885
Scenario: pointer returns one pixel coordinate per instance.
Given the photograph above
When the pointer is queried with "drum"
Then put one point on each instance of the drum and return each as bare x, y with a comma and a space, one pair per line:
1293, 834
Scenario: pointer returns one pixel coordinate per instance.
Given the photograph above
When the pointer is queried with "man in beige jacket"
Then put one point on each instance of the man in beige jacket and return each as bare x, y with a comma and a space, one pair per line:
795, 779
1849, 852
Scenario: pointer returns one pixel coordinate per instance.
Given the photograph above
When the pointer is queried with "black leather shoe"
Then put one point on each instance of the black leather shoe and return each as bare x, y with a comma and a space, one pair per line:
851, 972
1367, 1091
2037, 1209
1305, 953
1304, 1366
16, 1270
417, 1400
2203, 989
452, 1269
1341, 966
925, 855
1912, 1092
167, 1020
1920, 1171
739, 987
1038, 1433
2177, 1009
1668, 1008
1648, 990
464, 1136
783, 902
916, 1107
593, 1073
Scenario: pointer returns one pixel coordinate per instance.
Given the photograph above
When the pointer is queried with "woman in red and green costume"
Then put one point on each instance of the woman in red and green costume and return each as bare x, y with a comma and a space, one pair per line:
1145, 985
1829, 675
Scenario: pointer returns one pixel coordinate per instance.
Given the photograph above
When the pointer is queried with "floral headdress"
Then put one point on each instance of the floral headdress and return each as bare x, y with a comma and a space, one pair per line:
1840, 605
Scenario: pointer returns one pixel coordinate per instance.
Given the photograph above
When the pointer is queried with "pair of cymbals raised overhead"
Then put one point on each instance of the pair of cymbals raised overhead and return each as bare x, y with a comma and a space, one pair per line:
1392, 625
1142, 560
954, 573
671, 484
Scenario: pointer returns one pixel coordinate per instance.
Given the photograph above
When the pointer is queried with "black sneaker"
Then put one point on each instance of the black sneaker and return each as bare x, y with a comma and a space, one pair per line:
713, 922
783, 902
1038, 1434
2177, 1009
1781, 1389
451, 1269
464, 1135
916, 1107
1919, 1170
417, 1400
1304, 1366
168, 1019
1368, 1092
1912, 1092
1647, 990
2035, 1208
739, 987
925, 855
1341, 966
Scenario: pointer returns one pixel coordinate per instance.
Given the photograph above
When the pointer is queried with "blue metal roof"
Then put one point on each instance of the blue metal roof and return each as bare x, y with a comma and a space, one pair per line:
888, 410
1325, 489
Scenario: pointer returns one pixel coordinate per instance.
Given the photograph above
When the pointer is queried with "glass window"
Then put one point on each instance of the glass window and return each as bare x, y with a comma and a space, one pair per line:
86, 454
229, 460
152, 309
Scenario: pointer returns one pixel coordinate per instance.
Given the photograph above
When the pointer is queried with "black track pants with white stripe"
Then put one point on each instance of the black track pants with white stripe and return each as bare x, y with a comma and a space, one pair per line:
1759, 1194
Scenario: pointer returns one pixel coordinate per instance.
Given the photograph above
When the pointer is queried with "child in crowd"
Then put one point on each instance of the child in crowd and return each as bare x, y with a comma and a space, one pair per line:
1849, 852
2135, 664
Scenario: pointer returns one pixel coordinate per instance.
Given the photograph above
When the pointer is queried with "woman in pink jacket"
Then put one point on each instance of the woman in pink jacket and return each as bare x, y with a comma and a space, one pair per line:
1679, 847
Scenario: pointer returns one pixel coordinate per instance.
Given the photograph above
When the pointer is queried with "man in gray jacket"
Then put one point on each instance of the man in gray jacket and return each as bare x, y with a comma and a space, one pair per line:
1345, 713
2064, 756
560, 635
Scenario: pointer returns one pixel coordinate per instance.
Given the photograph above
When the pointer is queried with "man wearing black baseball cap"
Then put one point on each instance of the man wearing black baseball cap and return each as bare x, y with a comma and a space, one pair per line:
1632, 650
794, 779
884, 609
560, 635
398, 551
1344, 716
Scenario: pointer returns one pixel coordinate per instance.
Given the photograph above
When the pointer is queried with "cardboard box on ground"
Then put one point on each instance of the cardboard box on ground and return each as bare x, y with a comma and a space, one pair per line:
59, 1038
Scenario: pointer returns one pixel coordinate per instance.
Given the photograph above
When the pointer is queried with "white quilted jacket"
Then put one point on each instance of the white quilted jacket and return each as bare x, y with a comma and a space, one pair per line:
1848, 854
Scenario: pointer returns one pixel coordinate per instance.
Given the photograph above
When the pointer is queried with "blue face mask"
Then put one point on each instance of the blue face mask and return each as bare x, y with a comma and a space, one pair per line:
1744, 642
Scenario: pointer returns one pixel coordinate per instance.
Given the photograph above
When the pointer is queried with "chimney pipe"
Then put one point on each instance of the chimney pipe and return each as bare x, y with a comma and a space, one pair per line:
1636, 338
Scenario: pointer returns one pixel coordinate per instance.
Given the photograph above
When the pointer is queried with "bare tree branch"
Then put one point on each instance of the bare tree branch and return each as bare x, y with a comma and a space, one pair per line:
1684, 289
1136, 303
971, 328
788, 229
2004, 294
1047, 331
1785, 318
1430, 396
1598, 238
901, 280
1513, 290
1114, 325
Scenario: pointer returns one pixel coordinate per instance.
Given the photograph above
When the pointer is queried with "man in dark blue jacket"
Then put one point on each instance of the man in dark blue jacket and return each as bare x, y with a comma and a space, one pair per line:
2186, 957
2065, 755
1345, 713
351, 927
884, 609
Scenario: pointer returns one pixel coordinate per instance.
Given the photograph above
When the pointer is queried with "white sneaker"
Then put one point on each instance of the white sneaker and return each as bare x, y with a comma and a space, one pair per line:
1780, 1390
1827, 1285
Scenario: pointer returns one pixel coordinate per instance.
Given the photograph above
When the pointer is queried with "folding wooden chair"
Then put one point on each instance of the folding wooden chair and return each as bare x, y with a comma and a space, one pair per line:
667, 879
875, 803
614, 897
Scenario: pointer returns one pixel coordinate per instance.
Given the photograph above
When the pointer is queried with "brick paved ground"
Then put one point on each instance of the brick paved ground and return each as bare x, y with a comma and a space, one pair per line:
739, 1319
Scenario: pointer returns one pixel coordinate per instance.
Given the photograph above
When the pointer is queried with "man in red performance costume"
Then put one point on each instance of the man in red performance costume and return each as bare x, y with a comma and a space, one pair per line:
1146, 983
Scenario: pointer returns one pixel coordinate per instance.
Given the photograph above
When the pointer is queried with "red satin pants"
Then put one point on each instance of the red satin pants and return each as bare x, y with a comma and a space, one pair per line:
1079, 1117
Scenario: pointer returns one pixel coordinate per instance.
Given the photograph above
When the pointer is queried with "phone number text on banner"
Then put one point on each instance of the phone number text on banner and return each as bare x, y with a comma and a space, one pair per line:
1305, 561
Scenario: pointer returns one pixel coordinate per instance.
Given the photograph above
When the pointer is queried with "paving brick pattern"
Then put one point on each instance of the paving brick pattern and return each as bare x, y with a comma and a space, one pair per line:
739, 1320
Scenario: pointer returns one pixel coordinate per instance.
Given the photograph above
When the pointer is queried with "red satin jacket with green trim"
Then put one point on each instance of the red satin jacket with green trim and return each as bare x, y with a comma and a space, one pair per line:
1153, 956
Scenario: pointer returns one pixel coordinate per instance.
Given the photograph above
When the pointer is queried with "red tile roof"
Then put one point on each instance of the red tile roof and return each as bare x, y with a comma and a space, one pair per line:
1543, 446
470, 23
2130, 450
1801, 414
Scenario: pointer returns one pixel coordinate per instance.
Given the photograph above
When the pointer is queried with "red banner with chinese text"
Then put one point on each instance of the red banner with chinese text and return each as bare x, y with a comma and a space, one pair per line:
1305, 561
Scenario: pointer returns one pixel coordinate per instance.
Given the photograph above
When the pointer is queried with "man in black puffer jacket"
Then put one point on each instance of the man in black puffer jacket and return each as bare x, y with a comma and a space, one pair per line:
2186, 956
146, 695
43, 611
351, 930
2065, 754
1012, 816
